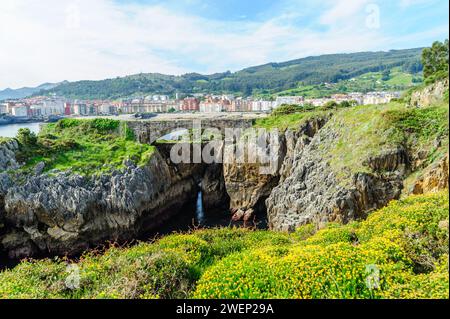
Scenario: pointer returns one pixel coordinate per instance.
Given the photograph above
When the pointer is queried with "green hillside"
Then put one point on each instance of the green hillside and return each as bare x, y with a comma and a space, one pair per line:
263, 79
395, 79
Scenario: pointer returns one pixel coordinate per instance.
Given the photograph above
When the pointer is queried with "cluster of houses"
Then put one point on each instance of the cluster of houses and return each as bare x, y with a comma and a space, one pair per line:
58, 106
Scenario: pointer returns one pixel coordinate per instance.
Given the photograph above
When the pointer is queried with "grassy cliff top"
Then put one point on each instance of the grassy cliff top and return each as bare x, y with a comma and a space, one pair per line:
367, 131
400, 251
86, 147
286, 121
355, 134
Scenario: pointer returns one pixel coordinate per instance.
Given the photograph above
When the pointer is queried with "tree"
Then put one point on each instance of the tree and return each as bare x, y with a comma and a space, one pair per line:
345, 104
435, 59
287, 109
330, 105
26, 137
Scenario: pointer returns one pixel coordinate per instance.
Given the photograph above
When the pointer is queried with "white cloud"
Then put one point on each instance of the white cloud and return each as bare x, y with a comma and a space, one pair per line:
341, 10
54, 40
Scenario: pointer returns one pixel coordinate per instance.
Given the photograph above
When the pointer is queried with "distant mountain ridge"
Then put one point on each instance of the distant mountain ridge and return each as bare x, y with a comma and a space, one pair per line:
267, 78
25, 91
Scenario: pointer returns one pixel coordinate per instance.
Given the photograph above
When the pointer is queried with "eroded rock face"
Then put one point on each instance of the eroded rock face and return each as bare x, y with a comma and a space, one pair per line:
7, 162
434, 178
213, 187
312, 193
67, 213
249, 184
7, 155
430, 95
250, 181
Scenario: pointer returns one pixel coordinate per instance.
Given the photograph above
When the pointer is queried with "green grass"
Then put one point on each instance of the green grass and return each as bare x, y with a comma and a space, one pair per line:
86, 147
3, 140
400, 251
286, 121
365, 131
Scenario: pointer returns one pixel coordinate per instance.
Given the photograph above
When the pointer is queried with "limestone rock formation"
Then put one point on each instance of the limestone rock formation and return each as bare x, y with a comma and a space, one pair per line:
434, 178
7, 155
312, 193
429, 95
249, 184
8, 162
67, 213
213, 188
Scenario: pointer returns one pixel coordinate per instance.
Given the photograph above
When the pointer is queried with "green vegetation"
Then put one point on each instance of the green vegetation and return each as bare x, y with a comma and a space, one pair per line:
435, 60
286, 121
85, 147
400, 251
4, 139
363, 131
26, 137
259, 80
395, 79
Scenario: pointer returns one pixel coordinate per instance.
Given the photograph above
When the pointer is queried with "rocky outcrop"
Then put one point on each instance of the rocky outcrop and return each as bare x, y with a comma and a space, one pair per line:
64, 213
430, 95
67, 213
213, 188
312, 192
434, 178
8, 163
249, 184
7, 155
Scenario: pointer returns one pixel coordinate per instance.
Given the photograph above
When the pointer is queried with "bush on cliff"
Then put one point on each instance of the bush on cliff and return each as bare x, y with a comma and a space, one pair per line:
382, 257
26, 138
400, 251
168, 268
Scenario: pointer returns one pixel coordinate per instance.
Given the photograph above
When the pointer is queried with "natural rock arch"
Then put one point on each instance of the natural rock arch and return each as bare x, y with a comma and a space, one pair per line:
149, 131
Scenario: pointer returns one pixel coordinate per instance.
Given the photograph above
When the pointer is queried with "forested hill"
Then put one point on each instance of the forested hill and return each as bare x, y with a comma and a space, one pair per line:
268, 78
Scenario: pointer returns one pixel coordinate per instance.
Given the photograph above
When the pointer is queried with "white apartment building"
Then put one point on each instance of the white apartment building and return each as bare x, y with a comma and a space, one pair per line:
379, 97
19, 110
211, 107
53, 107
297, 100
262, 106
105, 109
157, 98
80, 109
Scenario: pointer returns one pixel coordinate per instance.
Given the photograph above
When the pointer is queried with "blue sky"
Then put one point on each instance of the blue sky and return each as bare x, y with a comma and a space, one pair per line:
55, 40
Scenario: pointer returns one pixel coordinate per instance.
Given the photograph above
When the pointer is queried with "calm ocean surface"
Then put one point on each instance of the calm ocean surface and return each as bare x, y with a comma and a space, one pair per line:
10, 130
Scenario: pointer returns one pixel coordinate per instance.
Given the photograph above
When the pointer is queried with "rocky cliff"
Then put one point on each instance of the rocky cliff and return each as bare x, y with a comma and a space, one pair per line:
338, 168
434, 178
66, 213
7, 163
249, 184
313, 193
430, 94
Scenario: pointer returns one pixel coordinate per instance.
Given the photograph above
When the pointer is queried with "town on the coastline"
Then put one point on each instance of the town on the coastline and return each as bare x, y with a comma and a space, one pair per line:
54, 106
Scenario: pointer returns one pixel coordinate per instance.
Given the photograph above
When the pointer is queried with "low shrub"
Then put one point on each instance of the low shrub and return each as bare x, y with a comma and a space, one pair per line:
370, 259
375, 258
